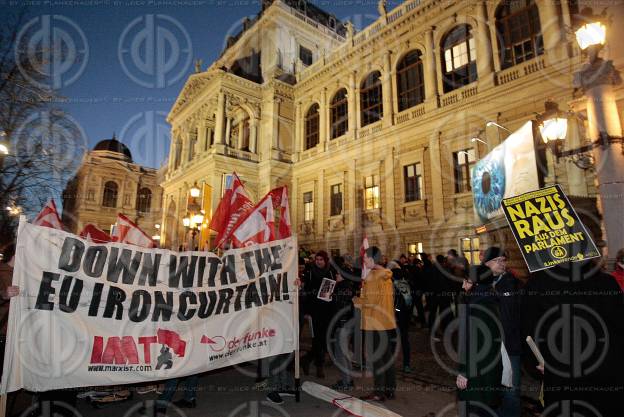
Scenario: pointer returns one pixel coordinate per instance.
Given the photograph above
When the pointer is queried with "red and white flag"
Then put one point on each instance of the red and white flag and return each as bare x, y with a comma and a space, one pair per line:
280, 200
363, 248
234, 205
257, 226
94, 234
128, 232
48, 217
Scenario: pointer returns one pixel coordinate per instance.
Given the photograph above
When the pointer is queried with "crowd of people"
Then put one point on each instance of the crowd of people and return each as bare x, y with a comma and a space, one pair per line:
360, 313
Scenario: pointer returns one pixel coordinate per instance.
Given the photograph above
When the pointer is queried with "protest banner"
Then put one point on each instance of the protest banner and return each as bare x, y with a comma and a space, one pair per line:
108, 314
547, 229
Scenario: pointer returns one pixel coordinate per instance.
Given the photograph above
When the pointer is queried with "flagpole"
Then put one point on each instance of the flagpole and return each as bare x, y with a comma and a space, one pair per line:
296, 329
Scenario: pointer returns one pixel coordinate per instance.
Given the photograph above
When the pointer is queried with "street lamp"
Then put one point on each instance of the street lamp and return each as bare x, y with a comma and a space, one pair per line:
194, 191
596, 79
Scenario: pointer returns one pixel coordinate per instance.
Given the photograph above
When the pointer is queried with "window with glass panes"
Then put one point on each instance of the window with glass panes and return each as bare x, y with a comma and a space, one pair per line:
470, 249
305, 55
372, 198
336, 200
520, 33
414, 248
371, 106
459, 65
312, 127
308, 206
463, 162
410, 81
339, 117
412, 175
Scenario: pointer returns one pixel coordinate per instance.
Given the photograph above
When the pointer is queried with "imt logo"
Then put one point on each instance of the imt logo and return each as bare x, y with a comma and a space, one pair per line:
55, 47
155, 50
576, 337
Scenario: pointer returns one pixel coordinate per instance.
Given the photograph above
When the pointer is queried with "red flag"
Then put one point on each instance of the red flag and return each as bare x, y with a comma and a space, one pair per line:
234, 205
257, 226
280, 199
362, 253
128, 232
48, 217
173, 340
92, 233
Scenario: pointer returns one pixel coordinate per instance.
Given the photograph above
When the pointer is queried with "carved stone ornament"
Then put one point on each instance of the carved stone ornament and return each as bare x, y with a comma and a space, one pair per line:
191, 90
372, 216
414, 213
335, 223
463, 204
307, 228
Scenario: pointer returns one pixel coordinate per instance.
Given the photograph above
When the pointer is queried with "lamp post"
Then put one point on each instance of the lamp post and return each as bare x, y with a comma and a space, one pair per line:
597, 78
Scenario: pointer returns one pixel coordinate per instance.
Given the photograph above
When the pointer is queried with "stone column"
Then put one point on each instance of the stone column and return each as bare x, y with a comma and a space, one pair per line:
241, 128
429, 67
320, 209
298, 123
388, 176
386, 87
351, 110
208, 135
201, 137
484, 50
551, 30
220, 119
228, 130
437, 195
253, 135
323, 120
276, 110
172, 152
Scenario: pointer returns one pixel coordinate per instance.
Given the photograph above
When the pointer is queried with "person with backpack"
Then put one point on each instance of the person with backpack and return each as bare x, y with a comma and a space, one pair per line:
403, 305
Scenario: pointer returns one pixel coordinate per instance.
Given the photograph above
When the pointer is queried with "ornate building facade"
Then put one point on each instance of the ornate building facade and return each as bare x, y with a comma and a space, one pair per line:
107, 183
373, 131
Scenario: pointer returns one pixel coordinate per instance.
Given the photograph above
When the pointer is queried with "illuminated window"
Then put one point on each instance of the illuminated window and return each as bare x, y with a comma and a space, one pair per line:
459, 65
336, 200
470, 248
308, 207
413, 182
415, 248
372, 199
463, 161
371, 106
520, 32
410, 81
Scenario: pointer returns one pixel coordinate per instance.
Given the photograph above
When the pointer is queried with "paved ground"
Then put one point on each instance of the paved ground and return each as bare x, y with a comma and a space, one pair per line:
231, 392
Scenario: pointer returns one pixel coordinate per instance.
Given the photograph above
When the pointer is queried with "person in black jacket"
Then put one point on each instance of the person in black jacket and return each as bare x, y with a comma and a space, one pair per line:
574, 313
320, 310
507, 289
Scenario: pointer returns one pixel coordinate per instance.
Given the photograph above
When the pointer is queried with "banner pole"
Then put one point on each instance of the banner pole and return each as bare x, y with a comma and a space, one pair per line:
296, 327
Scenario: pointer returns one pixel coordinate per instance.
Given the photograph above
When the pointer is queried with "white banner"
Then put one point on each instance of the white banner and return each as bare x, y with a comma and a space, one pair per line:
107, 314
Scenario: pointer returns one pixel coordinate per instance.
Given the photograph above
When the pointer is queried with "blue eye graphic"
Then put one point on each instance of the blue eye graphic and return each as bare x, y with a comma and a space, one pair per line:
488, 184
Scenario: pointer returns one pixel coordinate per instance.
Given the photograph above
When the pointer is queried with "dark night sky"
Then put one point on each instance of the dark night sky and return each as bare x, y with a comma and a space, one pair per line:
106, 91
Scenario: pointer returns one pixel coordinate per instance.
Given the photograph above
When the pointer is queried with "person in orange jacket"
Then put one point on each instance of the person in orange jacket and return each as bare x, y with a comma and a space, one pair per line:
376, 303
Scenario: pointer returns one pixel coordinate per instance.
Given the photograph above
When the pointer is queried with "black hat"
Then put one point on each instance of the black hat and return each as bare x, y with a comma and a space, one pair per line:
492, 252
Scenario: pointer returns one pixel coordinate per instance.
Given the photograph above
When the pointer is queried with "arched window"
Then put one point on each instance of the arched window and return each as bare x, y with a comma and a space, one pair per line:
519, 32
312, 127
459, 58
109, 198
339, 114
144, 200
410, 82
371, 99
